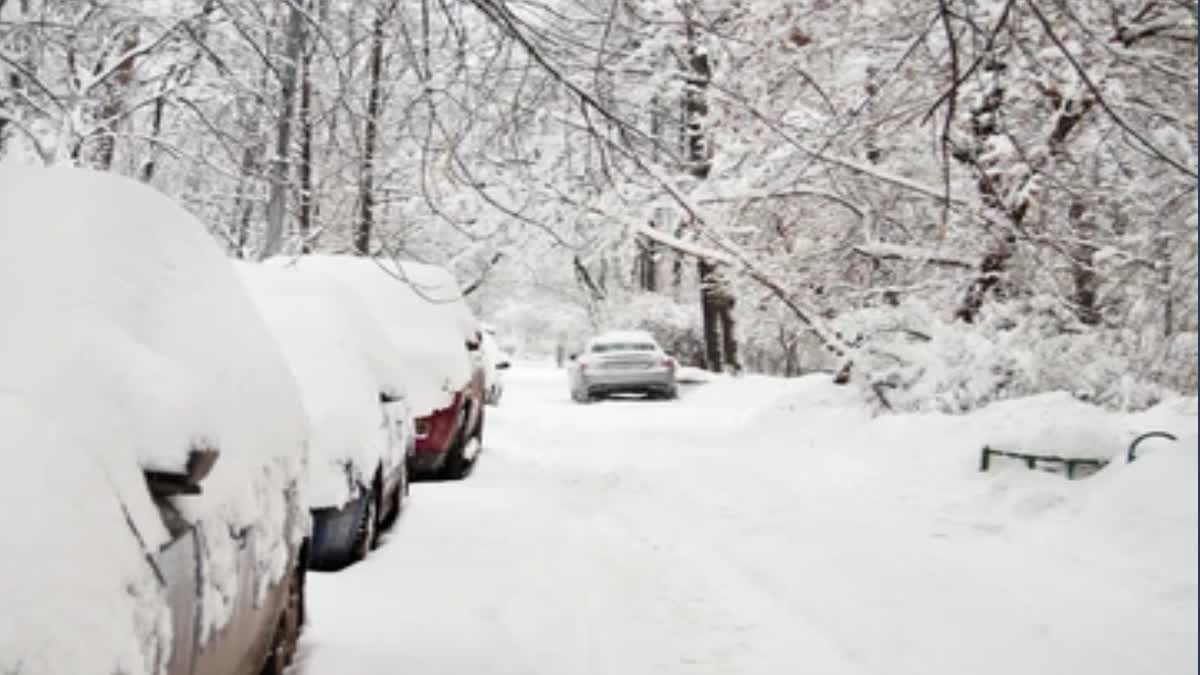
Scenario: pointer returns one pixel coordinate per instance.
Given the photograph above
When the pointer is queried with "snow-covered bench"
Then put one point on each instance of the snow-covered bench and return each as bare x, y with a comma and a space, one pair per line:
1071, 465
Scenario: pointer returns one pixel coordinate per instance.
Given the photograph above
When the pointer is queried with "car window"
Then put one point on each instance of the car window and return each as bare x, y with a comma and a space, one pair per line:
602, 347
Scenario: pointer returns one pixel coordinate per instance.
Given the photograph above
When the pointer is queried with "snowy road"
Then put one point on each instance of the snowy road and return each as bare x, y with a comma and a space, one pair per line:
632, 537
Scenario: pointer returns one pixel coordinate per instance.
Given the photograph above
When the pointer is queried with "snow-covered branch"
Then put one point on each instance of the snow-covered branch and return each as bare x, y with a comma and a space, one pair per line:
885, 251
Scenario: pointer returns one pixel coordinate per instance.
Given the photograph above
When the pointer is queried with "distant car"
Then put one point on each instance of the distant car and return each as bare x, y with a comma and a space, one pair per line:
495, 362
151, 487
622, 362
353, 388
438, 337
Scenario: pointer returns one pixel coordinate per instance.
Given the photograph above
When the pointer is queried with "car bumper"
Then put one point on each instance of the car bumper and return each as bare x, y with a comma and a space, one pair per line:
615, 382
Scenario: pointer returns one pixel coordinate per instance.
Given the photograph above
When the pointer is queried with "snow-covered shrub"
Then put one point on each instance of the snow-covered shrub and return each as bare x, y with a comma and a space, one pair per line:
675, 325
916, 359
538, 325
1176, 367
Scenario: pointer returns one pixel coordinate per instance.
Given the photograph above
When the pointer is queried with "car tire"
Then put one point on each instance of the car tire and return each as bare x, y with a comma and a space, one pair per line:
287, 629
396, 501
367, 535
456, 465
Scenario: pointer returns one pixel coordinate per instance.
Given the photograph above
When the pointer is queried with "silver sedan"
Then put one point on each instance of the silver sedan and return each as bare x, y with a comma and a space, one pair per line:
625, 362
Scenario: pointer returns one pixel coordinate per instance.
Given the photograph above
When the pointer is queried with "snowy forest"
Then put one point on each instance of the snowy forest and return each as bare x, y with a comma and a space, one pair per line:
941, 202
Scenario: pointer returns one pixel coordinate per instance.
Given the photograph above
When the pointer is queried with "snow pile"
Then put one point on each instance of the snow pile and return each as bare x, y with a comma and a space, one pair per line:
422, 310
693, 375
124, 323
342, 360
938, 455
976, 556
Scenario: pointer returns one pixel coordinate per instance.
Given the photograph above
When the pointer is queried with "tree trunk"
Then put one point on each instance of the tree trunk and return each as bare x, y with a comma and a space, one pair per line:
729, 346
646, 264
276, 206
716, 302
677, 265
366, 193
1082, 270
695, 107
243, 203
114, 104
710, 315
156, 119
305, 216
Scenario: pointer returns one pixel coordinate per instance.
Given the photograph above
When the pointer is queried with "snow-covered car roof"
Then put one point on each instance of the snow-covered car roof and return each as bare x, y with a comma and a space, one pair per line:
422, 310
128, 342
342, 360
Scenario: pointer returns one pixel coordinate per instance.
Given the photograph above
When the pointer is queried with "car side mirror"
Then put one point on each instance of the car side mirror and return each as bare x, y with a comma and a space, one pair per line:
503, 365
170, 483
472, 346
390, 397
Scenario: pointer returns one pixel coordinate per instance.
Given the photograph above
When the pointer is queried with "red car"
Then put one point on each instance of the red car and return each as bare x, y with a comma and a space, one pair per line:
449, 439
437, 338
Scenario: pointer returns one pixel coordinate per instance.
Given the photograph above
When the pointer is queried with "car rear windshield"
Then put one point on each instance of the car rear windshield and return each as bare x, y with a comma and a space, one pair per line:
602, 347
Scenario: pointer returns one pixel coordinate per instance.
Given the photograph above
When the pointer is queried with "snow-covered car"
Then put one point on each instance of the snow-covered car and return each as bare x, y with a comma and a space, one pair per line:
353, 389
154, 442
495, 362
437, 336
622, 362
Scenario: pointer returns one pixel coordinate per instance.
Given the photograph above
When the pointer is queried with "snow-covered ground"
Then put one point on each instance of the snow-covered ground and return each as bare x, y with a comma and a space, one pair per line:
761, 526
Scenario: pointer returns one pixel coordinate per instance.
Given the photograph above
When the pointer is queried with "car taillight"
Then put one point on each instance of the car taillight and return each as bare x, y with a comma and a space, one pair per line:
667, 362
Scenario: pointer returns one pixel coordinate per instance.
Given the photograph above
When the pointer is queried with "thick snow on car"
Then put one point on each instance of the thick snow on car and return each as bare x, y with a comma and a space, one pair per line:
353, 388
154, 442
422, 309
495, 362
622, 362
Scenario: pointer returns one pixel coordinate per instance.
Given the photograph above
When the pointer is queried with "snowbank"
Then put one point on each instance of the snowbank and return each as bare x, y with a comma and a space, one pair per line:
342, 361
125, 326
421, 308
926, 564
934, 457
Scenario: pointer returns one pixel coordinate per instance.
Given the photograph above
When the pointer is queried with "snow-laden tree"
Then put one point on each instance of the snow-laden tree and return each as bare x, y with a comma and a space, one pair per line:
899, 193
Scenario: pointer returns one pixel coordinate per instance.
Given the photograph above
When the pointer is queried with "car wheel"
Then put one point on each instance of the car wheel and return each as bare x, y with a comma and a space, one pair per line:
287, 629
368, 527
396, 501
455, 467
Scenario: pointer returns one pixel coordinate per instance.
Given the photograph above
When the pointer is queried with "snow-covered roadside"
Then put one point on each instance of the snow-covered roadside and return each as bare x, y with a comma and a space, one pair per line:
885, 535
685, 537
